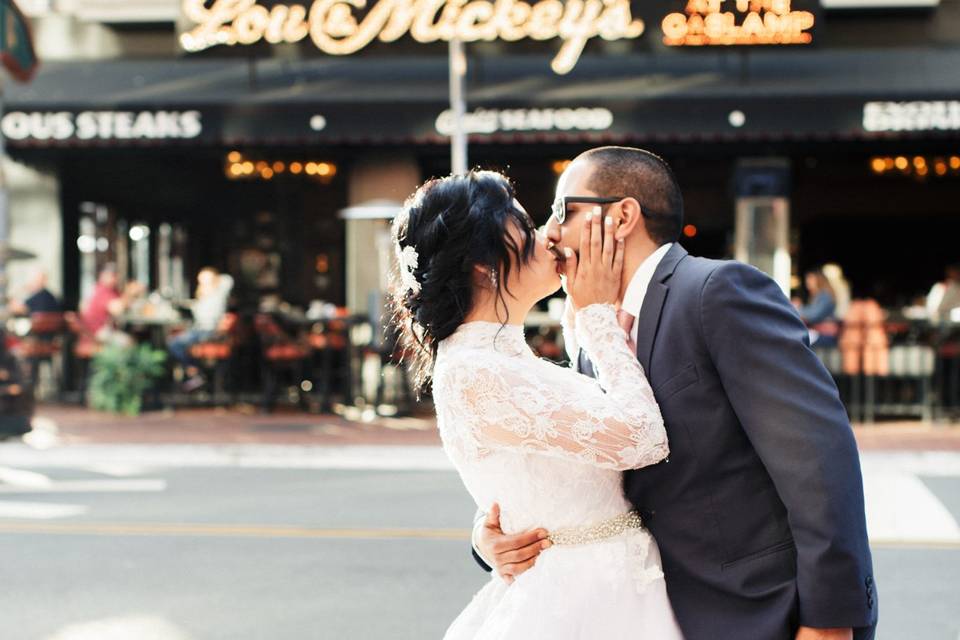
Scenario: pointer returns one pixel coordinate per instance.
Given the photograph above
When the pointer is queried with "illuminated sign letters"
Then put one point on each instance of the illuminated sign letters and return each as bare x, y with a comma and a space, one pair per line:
918, 115
745, 22
486, 121
101, 125
335, 27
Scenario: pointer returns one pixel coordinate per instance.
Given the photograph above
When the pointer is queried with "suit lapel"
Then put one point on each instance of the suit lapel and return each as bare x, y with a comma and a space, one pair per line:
648, 322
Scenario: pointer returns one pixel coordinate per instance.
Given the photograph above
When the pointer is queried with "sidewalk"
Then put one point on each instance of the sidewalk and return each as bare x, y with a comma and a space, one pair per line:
242, 425
78, 426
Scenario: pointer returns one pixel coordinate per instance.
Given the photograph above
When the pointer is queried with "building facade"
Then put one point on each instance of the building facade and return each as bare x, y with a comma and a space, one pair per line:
167, 135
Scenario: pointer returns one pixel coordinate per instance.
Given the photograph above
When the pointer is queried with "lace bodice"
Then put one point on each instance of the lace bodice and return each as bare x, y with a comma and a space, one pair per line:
544, 441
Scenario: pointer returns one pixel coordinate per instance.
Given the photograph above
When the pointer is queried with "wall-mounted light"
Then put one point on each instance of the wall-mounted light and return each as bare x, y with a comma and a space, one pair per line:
919, 167
238, 167
86, 244
139, 232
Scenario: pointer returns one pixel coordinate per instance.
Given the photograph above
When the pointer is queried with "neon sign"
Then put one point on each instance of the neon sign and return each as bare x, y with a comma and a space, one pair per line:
336, 29
751, 22
486, 121
918, 115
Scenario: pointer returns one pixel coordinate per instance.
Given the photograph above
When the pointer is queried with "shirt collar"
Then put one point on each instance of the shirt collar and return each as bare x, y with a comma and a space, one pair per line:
637, 289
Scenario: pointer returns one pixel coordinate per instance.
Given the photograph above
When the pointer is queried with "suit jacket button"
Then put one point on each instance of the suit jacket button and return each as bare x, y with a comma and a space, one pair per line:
869, 603
869, 581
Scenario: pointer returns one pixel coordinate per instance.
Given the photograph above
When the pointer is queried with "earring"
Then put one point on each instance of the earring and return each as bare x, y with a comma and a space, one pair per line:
493, 279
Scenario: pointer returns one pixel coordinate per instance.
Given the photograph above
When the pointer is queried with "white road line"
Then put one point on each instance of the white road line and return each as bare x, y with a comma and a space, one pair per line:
91, 486
118, 469
23, 478
390, 458
919, 463
142, 627
39, 510
901, 507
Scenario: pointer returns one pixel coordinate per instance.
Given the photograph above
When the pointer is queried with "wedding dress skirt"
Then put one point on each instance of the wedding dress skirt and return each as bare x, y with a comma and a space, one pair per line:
606, 590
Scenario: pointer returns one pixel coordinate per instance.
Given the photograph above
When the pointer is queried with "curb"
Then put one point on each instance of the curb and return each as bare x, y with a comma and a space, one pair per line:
267, 456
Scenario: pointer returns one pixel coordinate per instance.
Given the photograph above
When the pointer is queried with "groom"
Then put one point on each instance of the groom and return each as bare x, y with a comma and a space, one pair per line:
758, 511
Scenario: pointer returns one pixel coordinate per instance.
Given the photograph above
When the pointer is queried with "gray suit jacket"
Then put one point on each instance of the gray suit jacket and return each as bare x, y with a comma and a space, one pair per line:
759, 510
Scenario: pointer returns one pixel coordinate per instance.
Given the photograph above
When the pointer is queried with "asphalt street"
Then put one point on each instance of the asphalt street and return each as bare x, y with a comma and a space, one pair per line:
110, 551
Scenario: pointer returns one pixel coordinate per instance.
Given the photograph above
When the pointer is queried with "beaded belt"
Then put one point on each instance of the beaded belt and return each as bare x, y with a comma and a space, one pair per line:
606, 529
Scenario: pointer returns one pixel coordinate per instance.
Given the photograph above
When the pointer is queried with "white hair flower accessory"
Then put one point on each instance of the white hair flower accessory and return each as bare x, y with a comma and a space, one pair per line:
409, 261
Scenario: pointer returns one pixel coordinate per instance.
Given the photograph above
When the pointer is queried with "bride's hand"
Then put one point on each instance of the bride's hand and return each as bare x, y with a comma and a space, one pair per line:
595, 277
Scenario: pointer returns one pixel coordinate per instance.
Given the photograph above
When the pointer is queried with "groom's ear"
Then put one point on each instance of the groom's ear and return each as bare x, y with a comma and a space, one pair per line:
630, 218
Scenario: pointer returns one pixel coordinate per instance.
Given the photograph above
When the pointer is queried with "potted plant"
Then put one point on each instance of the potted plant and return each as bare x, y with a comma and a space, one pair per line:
121, 375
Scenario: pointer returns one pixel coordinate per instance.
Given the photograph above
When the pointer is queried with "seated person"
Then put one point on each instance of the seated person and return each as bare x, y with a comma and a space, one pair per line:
819, 312
944, 296
39, 299
101, 310
213, 292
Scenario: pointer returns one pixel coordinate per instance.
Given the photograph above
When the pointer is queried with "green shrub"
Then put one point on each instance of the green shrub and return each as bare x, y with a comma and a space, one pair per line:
121, 375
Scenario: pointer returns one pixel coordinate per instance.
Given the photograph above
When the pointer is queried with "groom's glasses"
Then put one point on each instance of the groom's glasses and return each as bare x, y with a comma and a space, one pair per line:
559, 207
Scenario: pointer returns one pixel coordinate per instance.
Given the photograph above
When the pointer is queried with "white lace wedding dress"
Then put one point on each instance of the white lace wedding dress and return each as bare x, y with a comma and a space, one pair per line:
549, 445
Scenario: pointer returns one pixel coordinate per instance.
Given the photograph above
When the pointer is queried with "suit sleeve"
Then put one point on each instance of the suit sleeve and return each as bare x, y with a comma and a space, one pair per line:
791, 411
479, 561
478, 519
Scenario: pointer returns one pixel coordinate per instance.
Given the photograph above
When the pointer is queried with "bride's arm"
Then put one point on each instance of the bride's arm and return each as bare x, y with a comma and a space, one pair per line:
512, 403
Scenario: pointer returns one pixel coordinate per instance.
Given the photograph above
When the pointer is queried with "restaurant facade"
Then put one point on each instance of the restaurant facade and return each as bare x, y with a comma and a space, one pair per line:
268, 139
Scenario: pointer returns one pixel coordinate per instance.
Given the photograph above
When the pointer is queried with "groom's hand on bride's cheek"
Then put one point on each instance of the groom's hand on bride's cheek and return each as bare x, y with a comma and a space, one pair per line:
511, 554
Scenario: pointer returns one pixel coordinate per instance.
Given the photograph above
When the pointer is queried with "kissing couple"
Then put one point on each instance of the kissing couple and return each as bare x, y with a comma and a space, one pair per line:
692, 475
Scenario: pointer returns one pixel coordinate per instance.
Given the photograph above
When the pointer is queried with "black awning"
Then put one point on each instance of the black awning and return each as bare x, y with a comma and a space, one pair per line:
686, 96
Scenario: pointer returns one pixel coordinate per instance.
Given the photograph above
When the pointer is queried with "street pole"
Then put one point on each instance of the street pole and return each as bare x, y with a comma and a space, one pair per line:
458, 138
4, 223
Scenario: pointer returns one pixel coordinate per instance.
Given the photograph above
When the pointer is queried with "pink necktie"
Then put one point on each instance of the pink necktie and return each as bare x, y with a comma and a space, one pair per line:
625, 319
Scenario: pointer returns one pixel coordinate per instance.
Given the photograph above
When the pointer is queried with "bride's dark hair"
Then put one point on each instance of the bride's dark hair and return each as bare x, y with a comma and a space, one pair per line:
453, 224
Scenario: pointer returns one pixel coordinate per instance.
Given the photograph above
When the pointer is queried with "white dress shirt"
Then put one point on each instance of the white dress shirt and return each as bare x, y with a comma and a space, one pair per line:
637, 289
632, 298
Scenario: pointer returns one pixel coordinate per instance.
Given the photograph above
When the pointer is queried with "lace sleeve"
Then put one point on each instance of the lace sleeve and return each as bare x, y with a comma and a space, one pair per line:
538, 407
617, 367
570, 344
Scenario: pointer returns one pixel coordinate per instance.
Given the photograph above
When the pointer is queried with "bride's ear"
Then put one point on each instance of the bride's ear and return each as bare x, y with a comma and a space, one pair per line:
483, 277
630, 218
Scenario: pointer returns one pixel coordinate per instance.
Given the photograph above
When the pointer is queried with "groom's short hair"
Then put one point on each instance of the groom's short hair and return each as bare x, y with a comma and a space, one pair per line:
644, 176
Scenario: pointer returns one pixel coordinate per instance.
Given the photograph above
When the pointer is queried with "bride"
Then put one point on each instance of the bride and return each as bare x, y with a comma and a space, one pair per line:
544, 442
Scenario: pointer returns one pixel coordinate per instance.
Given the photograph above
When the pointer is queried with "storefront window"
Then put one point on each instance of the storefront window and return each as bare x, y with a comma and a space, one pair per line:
171, 248
96, 242
139, 235
762, 236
